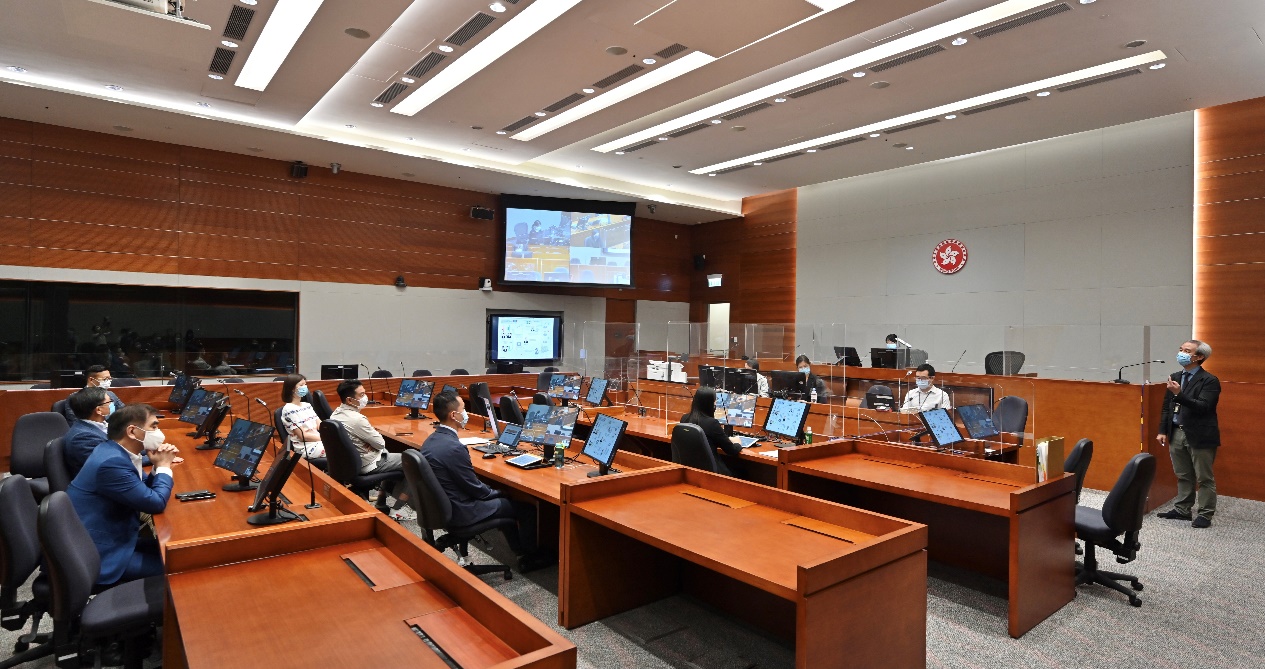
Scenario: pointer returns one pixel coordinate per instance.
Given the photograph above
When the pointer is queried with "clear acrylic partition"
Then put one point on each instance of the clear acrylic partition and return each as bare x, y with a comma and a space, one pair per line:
612, 351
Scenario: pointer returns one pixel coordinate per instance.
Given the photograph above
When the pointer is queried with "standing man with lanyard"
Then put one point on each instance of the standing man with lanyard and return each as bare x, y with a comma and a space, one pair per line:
1188, 427
925, 396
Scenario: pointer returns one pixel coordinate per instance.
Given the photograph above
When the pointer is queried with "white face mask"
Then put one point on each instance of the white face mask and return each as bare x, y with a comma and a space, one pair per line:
362, 402
104, 384
465, 418
153, 439
805, 370
924, 383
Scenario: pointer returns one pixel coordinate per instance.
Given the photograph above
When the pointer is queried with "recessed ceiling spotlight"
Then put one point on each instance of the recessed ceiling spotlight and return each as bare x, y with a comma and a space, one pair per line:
476, 127
349, 125
811, 151
876, 134
909, 148
16, 68
445, 48
231, 45
252, 3
779, 99
1134, 44
1043, 94
587, 91
858, 74
541, 114
1087, 2
408, 139
203, 104
716, 121
950, 117
357, 33
757, 163
215, 76
663, 139
712, 174
616, 50
408, 80
497, 7
375, 104
649, 61
114, 87
619, 153
1157, 66
959, 41
880, 84
738, 128
501, 132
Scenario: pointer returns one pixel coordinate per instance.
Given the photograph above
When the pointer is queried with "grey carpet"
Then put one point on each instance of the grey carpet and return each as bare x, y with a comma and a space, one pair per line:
1202, 607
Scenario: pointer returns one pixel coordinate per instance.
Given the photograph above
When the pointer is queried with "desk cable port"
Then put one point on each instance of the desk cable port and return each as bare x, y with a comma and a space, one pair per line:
368, 581
430, 643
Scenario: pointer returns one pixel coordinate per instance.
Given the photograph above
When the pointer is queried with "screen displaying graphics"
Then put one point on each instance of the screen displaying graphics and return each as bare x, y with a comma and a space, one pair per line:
786, 418
940, 425
524, 338
200, 403
243, 447
414, 394
597, 390
604, 438
740, 411
555, 240
549, 426
564, 386
979, 424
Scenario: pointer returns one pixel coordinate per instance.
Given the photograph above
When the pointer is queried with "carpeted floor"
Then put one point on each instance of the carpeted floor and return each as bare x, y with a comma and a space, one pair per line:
1202, 607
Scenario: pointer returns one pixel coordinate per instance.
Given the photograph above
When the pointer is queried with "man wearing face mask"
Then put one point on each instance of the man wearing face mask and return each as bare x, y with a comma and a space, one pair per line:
1188, 427
91, 407
808, 382
369, 443
925, 396
472, 500
97, 376
112, 489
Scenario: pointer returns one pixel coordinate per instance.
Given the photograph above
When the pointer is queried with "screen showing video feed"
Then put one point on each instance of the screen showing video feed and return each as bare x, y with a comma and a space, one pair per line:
740, 411
564, 387
243, 447
414, 394
549, 426
200, 404
549, 246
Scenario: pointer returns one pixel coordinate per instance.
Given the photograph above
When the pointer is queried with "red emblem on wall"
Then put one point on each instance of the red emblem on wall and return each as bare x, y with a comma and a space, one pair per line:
949, 256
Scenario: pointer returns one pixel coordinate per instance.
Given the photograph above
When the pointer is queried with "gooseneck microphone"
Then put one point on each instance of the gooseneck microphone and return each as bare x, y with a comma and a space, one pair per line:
248, 407
372, 390
902, 341
955, 365
403, 373
1120, 372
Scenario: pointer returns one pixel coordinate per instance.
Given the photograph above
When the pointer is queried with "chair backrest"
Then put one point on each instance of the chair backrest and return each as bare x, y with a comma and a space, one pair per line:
426, 496
381, 374
126, 383
1011, 414
278, 378
281, 428
1126, 503
320, 405
344, 461
878, 389
60, 407
461, 371
55, 465
541, 398
1077, 462
550, 370
510, 411
421, 372
19, 540
480, 398
491, 370
30, 433
542, 380
1003, 362
690, 447
234, 379
71, 559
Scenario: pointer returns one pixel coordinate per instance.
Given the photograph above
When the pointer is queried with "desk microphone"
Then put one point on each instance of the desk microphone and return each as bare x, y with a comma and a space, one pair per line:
1120, 372
402, 372
372, 390
955, 365
883, 430
311, 481
902, 341
248, 407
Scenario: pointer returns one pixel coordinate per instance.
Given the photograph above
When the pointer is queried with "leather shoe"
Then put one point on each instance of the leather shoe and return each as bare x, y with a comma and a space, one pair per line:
1173, 514
1201, 522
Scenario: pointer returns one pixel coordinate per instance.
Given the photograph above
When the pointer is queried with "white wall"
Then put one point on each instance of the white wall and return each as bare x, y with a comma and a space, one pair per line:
1075, 244
653, 332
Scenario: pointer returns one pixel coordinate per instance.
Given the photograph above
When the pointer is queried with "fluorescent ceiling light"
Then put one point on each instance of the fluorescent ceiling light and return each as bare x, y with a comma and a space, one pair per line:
979, 100
855, 62
827, 5
286, 23
687, 63
525, 24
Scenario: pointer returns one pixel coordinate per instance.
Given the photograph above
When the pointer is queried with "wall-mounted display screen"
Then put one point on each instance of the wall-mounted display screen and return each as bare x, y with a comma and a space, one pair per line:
550, 240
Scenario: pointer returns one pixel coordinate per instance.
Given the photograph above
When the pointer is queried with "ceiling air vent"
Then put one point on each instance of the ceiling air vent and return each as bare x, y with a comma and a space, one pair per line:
672, 51
688, 129
565, 102
392, 92
907, 58
746, 110
472, 27
512, 2
426, 64
619, 76
222, 60
1098, 80
638, 147
1024, 20
841, 142
829, 83
520, 123
238, 22
911, 126
789, 155
997, 105
732, 169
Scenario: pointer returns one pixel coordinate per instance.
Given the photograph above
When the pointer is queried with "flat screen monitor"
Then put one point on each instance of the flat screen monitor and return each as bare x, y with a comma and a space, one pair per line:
451, 389
741, 410
889, 358
741, 380
782, 381
597, 391
510, 435
404, 397
549, 426
603, 441
242, 449
564, 387
68, 378
849, 356
182, 388
786, 418
578, 242
270, 490
710, 375
199, 406
939, 424
341, 372
978, 421
524, 337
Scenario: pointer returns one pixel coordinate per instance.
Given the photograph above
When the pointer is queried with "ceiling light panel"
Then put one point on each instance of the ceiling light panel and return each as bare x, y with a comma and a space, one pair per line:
895, 47
514, 32
988, 100
286, 23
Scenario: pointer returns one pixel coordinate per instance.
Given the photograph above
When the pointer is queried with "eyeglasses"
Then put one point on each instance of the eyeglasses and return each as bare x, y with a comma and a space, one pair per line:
106, 403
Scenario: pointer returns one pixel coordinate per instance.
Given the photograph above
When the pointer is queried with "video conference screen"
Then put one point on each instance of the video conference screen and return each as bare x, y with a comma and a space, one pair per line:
551, 240
524, 337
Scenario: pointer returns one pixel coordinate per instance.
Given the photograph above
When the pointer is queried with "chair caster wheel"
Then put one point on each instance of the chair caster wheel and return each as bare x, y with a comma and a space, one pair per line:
509, 576
20, 647
1137, 586
1135, 601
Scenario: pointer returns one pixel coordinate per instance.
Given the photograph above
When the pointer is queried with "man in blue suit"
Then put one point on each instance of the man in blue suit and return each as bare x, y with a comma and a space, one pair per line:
91, 407
472, 500
111, 490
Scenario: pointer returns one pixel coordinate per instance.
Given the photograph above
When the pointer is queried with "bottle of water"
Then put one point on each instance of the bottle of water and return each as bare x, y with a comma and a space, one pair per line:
812, 396
808, 435
558, 457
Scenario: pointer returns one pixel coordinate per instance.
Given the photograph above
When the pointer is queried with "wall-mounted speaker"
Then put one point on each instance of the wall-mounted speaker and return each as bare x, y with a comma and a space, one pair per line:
298, 170
482, 213
700, 262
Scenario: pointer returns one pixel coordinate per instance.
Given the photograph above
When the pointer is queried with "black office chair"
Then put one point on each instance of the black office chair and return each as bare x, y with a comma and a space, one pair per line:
550, 370
541, 398
1004, 362
59, 407
434, 512
320, 404
30, 434
879, 389
1077, 462
131, 382
543, 379
510, 411
690, 448
491, 370
41, 386
128, 610
460, 371
1121, 516
480, 399
282, 435
278, 378
421, 372
1011, 415
380, 374
344, 465
58, 473
19, 558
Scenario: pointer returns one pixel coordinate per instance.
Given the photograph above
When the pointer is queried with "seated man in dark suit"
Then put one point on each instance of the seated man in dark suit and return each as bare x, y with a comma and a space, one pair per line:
472, 500
97, 377
91, 407
111, 490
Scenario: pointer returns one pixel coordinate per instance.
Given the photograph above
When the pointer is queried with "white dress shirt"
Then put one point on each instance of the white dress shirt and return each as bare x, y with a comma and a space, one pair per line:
924, 400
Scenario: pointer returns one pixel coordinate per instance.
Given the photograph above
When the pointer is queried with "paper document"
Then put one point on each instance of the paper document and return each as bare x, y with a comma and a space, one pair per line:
768, 454
473, 441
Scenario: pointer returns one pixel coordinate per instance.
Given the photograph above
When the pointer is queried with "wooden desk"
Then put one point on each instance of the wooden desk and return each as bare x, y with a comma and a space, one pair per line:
854, 599
986, 517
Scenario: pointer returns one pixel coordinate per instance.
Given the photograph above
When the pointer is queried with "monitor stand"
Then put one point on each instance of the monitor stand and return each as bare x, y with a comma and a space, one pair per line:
413, 414
602, 470
275, 515
240, 483
212, 442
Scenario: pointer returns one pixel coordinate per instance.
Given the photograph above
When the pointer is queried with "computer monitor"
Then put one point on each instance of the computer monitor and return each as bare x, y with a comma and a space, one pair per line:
740, 380
507, 367
199, 405
603, 441
879, 400
978, 421
722, 402
597, 391
211, 425
711, 375
510, 436
564, 386
939, 424
404, 396
243, 447
741, 411
68, 378
786, 418
849, 356
340, 372
269, 492
883, 358
182, 388
549, 426
449, 388
782, 381
414, 395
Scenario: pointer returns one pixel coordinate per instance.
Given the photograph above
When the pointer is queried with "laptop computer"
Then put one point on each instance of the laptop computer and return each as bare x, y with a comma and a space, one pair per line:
505, 443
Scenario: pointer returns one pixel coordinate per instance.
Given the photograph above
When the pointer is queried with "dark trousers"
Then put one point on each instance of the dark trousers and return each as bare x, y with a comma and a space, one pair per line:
522, 537
1193, 467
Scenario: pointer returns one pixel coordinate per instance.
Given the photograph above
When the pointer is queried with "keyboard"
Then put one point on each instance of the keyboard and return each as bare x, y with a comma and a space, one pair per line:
492, 448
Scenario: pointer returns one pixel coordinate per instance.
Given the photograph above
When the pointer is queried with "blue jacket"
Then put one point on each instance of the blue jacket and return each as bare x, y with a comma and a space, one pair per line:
81, 439
107, 494
472, 500
70, 413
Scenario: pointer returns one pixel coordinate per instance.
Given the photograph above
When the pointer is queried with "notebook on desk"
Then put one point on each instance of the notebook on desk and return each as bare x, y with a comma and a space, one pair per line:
747, 442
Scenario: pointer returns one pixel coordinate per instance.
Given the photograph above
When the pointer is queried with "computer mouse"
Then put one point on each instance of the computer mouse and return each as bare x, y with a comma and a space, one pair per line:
489, 456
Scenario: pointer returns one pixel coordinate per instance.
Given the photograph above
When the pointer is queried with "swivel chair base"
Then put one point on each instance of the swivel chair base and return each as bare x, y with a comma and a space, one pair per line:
1089, 573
